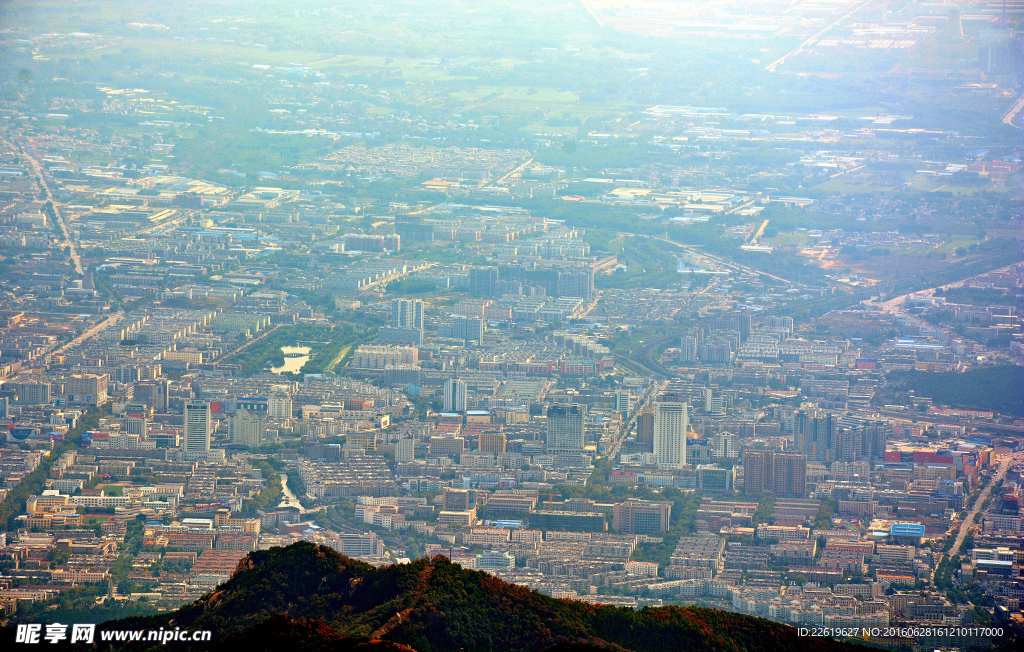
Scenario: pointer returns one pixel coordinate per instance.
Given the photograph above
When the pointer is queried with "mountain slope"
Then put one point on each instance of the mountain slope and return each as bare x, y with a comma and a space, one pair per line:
334, 602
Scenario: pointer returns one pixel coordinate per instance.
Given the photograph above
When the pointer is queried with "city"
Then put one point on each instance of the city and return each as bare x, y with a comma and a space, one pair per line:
636, 343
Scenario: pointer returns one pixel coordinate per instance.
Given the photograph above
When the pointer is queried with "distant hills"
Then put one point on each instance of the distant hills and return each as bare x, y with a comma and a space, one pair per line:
308, 597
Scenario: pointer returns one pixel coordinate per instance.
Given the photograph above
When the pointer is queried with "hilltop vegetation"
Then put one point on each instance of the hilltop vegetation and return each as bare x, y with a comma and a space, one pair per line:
329, 601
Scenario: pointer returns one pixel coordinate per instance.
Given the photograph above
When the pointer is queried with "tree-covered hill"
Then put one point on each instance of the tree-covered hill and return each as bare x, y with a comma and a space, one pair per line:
318, 599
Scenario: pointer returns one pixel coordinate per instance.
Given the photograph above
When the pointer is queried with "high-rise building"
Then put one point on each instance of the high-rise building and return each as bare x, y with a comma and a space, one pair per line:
458, 500
153, 393
714, 402
455, 395
279, 406
405, 450
815, 434
645, 426
637, 516
778, 474
468, 329
725, 446
246, 429
492, 442
197, 426
32, 393
483, 281
688, 348
671, 422
407, 313
565, 429
622, 401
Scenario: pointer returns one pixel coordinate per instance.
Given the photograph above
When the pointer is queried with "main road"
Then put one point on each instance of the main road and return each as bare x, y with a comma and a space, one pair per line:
968, 523
38, 169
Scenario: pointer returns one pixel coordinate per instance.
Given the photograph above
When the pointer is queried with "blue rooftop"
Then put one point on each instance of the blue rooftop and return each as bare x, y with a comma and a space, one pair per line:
907, 530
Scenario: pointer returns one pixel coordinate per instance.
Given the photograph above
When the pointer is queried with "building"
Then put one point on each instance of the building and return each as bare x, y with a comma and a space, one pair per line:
197, 426
33, 393
454, 395
136, 424
86, 389
645, 426
622, 401
778, 474
405, 450
245, 428
492, 442
641, 516
483, 281
458, 500
671, 422
407, 314
279, 406
565, 429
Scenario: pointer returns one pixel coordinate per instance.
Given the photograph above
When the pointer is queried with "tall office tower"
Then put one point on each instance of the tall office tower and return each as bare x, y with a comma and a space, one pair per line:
565, 429
688, 347
197, 426
492, 442
671, 422
279, 406
622, 401
136, 424
455, 395
4, 407
483, 281
407, 313
246, 428
778, 474
645, 426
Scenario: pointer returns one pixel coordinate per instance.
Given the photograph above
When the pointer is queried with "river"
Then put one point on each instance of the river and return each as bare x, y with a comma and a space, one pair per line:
293, 362
290, 499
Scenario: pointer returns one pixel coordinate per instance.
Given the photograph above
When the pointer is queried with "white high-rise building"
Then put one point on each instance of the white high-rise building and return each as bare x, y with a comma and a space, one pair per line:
279, 406
197, 426
671, 423
455, 395
246, 428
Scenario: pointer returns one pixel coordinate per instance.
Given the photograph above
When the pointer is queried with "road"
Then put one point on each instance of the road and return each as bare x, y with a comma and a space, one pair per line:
103, 325
1012, 113
68, 242
781, 60
892, 306
968, 522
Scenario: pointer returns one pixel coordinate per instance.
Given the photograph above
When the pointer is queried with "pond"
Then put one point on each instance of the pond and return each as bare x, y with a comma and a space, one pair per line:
294, 358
